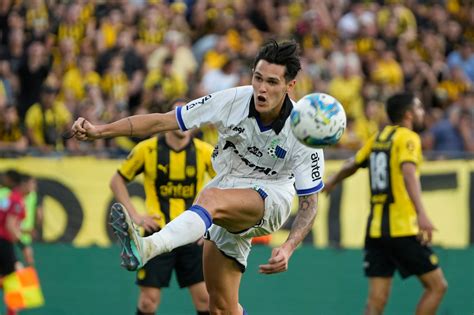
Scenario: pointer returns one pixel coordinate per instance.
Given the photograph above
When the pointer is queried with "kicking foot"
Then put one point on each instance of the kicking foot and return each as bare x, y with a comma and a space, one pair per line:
128, 236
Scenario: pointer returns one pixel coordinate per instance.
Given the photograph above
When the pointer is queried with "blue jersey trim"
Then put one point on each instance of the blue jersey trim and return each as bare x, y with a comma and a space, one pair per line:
261, 126
179, 118
309, 191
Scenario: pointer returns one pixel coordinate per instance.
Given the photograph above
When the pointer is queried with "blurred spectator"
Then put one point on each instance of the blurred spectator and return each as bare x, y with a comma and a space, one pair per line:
347, 89
387, 72
31, 74
453, 135
14, 51
37, 19
76, 80
7, 83
12, 137
176, 46
463, 58
454, 85
173, 85
145, 53
221, 79
114, 83
47, 120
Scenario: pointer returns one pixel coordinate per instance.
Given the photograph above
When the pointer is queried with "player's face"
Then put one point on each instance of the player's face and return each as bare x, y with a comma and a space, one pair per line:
418, 114
269, 88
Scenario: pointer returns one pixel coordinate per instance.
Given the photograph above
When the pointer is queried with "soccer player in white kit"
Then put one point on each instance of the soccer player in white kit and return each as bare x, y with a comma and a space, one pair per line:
259, 164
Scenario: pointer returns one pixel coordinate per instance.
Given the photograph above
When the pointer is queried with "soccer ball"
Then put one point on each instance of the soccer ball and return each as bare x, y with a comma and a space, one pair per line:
318, 120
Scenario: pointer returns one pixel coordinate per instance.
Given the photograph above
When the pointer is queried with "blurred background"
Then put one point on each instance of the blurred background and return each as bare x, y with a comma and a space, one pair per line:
105, 60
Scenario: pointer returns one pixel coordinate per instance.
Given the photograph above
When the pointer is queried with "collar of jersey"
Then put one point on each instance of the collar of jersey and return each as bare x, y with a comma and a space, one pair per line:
277, 124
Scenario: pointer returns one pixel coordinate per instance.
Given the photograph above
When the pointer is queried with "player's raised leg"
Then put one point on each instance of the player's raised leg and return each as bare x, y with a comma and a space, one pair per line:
234, 209
128, 237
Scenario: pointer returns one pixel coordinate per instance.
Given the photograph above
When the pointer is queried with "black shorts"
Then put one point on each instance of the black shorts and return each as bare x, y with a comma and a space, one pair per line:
406, 254
7, 257
186, 260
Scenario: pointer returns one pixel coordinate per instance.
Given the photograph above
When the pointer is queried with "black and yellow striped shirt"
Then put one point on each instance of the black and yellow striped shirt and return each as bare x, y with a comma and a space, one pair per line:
171, 179
392, 212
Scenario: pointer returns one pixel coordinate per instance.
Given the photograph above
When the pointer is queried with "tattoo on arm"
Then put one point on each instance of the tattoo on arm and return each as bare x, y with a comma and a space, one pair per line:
308, 207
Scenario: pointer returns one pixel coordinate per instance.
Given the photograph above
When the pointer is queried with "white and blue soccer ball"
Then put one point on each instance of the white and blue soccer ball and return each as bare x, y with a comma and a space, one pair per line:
318, 120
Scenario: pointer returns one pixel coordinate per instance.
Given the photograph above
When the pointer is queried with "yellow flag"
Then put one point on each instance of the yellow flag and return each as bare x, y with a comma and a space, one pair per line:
22, 289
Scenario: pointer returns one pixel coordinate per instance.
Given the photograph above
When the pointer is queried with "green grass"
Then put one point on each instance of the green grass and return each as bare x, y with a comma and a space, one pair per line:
321, 282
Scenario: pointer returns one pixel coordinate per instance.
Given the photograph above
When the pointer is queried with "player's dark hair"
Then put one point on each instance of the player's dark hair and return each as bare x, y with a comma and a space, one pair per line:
284, 53
398, 104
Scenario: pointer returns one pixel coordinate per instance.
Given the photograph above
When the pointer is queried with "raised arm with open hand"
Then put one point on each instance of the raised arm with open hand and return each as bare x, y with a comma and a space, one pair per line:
139, 125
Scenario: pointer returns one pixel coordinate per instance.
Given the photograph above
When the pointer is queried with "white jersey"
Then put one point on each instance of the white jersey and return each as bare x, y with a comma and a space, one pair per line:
249, 151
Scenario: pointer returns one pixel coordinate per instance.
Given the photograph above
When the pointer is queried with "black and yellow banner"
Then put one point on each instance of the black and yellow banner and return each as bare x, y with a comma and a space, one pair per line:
76, 199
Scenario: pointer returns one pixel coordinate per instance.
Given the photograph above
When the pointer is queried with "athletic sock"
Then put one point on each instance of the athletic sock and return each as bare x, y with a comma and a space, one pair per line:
187, 228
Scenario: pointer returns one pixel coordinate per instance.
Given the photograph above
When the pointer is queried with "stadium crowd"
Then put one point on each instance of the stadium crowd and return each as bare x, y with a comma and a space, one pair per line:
104, 60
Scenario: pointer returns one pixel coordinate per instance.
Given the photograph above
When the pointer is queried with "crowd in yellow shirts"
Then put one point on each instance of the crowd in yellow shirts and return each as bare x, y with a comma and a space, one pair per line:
107, 59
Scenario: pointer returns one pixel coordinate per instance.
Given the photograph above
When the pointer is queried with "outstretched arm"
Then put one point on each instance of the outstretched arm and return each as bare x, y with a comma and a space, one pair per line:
278, 262
349, 168
139, 125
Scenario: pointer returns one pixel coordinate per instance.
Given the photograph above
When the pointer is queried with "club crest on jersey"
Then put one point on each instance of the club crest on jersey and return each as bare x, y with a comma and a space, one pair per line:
276, 151
190, 171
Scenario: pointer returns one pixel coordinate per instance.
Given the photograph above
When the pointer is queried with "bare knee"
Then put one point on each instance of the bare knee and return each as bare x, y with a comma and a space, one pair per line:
207, 199
200, 296
222, 304
219, 306
377, 299
148, 300
210, 200
438, 287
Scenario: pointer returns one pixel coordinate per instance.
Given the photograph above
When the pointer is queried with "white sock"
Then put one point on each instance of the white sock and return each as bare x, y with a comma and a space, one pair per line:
187, 228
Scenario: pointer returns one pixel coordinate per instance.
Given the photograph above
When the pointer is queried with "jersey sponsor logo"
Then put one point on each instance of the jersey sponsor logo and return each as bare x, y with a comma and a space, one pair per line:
260, 169
199, 102
315, 173
255, 151
172, 190
238, 129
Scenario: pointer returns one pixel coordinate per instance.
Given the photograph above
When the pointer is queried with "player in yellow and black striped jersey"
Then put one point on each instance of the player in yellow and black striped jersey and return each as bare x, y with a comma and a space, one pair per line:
174, 167
398, 228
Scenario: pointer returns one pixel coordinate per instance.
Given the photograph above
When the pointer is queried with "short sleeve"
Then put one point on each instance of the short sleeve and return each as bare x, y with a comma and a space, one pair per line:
409, 148
309, 171
134, 164
214, 108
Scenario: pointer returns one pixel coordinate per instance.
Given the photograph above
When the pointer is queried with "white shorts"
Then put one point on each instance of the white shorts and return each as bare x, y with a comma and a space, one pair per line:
277, 210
